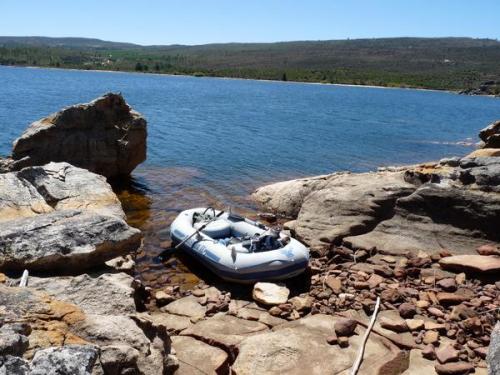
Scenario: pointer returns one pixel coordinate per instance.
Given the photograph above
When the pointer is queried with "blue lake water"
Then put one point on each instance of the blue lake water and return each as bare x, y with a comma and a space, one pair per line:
214, 140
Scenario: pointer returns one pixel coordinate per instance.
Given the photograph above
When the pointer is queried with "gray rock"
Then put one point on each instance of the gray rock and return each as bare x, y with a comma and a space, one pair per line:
69, 359
111, 294
10, 365
13, 343
493, 358
60, 217
69, 240
104, 136
482, 171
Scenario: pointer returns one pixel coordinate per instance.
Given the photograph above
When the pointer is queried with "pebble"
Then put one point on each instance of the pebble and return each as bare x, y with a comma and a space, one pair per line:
428, 352
422, 304
434, 311
431, 337
343, 341
334, 283
433, 326
332, 339
396, 325
448, 285
415, 324
407, 310
456, 368
447, 354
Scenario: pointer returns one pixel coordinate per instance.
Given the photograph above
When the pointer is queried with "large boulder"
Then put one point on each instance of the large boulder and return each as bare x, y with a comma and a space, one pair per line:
433, 218
329, 208
60, 217
453, 205
104, 136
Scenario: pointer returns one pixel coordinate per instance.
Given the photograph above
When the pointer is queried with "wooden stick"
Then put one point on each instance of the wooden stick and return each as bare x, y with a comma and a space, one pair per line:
24, 279
361, 352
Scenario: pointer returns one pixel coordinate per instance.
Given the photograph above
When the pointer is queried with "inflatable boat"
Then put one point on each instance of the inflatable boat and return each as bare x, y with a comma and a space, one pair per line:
238, 249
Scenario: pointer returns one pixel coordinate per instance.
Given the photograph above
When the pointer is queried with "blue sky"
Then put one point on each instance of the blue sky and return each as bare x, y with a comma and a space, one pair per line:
212, 21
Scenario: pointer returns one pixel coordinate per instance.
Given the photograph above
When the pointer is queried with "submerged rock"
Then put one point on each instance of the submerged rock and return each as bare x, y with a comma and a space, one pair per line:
60, 217
104, 136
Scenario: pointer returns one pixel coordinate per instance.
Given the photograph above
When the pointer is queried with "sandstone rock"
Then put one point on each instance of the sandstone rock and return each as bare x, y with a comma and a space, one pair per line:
429, 352
59, 217
450, 298
454, 368
431, 337
488, 250
223, 331
407, 310
196, 357
419, 365
334, 283
302, 303
270, 294
447, 354
300, 347
433, 212
414, 324
484, 152
69, 359
328, 208
375, 280
448, 284
471, 263
491, 135
345, 327
172, 323
163, 298
104, 136
396, 325
186, 306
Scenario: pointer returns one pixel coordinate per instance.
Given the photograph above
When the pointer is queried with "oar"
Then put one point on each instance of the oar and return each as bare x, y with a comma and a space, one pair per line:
198, 230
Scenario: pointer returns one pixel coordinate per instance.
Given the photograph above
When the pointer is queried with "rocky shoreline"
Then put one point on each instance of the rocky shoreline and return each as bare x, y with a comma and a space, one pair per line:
424, 238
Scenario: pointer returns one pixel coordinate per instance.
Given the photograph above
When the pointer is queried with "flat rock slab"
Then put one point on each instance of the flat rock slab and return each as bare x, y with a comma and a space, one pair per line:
105, 294
472, 263
173, 323
300, 347
224, 330
197, 358
186, 306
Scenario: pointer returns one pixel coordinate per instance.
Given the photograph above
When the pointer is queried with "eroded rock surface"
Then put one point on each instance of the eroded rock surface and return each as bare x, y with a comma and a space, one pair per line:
454, 206
104, 136
60, 217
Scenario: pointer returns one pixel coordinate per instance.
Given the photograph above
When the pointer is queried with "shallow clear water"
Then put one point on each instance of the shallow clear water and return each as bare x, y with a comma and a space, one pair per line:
214, 140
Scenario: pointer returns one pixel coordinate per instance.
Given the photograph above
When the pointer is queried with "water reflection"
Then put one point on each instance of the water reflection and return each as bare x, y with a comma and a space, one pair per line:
151, 199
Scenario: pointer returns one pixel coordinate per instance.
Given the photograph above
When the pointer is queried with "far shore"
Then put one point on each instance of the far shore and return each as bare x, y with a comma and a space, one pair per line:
244, 79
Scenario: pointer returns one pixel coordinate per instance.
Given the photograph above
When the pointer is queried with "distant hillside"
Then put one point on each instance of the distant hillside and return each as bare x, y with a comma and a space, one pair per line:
437, 63
42, 41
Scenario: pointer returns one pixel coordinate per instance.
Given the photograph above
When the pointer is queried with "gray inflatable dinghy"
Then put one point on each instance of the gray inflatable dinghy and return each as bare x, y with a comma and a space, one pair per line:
238, 249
